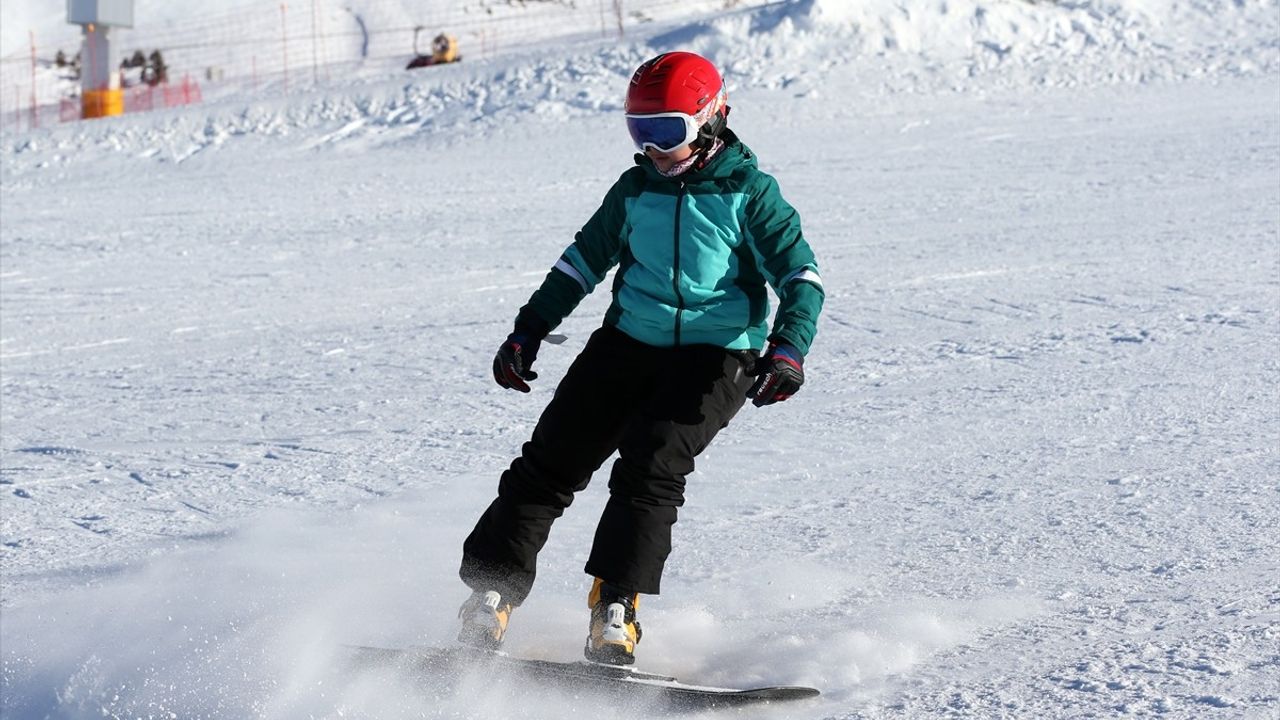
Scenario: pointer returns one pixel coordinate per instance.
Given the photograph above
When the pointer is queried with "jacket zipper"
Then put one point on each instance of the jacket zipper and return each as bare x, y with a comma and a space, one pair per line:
675, 277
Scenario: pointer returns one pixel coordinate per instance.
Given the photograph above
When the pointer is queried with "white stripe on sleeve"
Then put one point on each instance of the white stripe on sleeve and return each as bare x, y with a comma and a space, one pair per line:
806, 274
572, 272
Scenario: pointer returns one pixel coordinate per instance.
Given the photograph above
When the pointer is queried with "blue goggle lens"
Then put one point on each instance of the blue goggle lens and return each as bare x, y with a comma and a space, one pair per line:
664, 133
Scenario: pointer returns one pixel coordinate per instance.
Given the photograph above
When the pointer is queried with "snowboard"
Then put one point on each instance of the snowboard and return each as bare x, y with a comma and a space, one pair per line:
440, 668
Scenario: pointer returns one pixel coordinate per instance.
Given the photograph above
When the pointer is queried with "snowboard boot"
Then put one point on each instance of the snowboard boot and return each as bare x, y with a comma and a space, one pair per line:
614, 628
484, 620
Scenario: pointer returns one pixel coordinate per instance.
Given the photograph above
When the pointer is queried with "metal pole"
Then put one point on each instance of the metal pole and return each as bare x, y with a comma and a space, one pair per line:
35, 112
315, 58
89, 76
284, 43
324, 48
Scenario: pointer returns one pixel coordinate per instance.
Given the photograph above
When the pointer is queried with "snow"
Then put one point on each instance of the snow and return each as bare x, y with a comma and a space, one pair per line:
247, 413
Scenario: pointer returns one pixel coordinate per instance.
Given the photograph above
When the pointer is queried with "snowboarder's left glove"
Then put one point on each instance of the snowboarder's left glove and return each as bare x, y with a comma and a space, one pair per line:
779, 373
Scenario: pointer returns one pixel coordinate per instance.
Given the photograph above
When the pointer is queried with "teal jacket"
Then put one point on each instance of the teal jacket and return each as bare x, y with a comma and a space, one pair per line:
693, 256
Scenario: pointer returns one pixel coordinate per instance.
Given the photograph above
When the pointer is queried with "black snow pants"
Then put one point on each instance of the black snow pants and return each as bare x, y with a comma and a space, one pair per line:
658, 408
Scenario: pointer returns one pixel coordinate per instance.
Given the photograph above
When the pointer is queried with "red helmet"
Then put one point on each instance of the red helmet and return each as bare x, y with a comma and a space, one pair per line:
675, 84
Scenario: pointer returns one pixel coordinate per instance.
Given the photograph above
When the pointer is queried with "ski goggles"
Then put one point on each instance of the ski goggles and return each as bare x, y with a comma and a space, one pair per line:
663, 132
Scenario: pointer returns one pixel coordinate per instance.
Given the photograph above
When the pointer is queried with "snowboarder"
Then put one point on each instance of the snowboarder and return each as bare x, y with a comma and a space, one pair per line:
696, 230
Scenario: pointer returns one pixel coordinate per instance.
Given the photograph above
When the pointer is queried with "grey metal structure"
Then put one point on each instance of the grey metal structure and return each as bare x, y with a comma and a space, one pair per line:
98, 57
107, 13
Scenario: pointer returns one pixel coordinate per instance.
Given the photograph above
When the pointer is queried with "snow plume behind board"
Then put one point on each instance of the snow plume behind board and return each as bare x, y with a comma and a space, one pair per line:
254, 625
248, 418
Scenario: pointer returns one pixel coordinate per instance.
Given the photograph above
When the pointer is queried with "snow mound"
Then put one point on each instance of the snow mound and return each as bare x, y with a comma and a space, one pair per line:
901, 45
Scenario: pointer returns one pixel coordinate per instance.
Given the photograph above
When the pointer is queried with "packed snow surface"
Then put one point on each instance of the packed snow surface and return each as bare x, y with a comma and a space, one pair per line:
1034, 472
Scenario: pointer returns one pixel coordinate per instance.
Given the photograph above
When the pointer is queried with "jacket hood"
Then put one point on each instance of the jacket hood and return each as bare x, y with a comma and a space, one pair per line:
734, 155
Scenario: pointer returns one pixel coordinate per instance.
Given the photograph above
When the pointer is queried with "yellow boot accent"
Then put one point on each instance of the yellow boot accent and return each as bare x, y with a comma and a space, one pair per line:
614, 627
484, 620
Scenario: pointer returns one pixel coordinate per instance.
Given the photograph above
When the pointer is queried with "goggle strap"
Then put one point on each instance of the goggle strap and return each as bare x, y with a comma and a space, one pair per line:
711, 130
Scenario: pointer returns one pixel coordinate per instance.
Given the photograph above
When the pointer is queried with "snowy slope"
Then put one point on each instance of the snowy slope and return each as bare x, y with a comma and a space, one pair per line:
247, 414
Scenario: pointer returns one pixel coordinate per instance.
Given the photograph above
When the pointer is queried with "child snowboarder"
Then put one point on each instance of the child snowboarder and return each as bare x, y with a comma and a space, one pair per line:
696, 230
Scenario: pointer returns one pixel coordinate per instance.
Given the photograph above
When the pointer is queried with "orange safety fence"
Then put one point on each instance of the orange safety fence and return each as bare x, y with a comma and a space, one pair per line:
142, 98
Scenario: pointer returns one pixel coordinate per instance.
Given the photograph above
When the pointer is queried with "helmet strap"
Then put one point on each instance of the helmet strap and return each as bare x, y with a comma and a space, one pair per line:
711, 129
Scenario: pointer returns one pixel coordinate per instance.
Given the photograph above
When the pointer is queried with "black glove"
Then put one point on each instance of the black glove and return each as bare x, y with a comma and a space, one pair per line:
511, 365
779, 374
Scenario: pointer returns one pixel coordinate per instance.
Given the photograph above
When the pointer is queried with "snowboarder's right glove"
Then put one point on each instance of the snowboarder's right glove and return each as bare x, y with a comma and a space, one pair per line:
511, 366
779, 374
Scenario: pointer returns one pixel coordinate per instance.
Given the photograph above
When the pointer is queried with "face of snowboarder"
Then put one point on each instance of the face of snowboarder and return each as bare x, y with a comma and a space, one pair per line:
664, 161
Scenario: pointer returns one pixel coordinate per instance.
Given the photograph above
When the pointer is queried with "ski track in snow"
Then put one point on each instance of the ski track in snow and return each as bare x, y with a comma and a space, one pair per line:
248, 415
